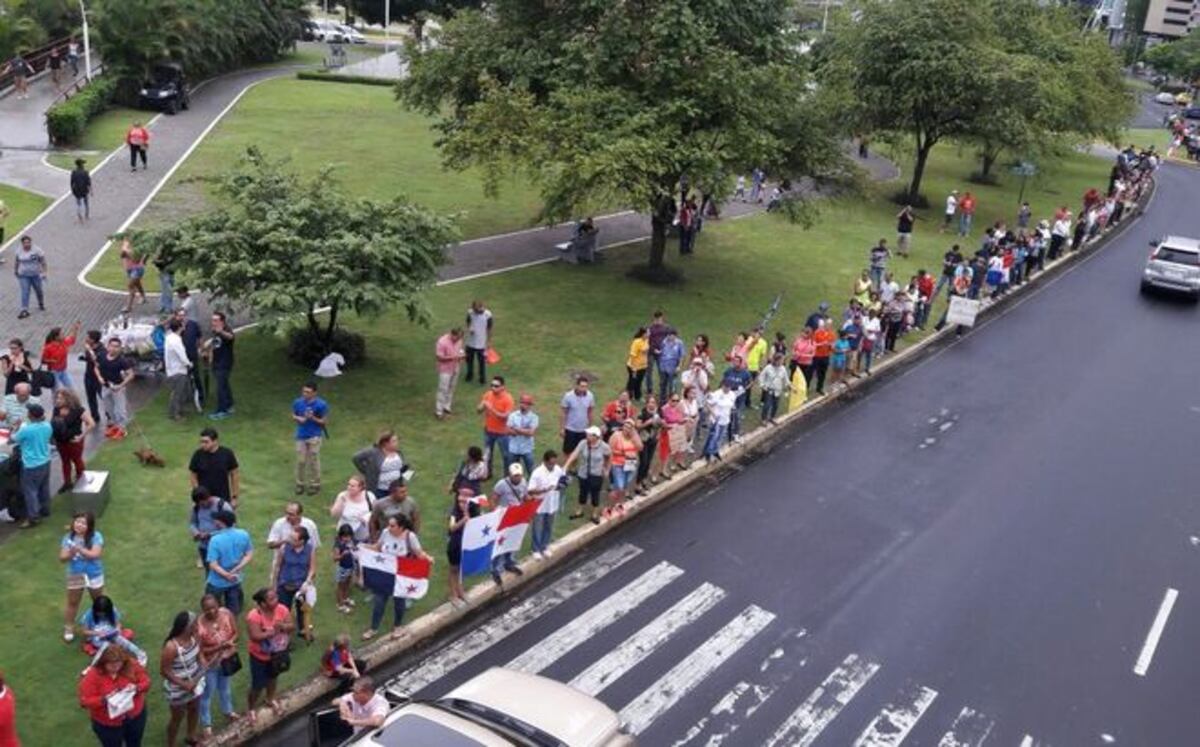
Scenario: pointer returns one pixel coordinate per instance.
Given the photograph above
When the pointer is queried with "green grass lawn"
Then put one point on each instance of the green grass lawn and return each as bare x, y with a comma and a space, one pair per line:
103, 134
389, 151
551, 322
23, 207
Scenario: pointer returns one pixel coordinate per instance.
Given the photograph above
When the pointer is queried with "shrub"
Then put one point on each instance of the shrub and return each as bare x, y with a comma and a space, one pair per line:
306, 347
67, 120
363, 80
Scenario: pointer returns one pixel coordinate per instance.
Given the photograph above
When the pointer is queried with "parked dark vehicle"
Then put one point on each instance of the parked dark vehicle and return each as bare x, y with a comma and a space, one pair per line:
1192, 113
308, 31
167, 89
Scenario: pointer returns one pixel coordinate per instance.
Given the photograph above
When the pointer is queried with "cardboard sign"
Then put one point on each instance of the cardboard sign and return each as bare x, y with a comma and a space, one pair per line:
962, 311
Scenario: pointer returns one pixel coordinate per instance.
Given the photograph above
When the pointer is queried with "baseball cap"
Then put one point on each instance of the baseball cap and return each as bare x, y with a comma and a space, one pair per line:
593, 431
516, 469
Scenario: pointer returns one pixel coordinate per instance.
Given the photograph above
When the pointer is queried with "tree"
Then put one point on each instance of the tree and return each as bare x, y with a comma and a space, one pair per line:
601, 102
416, 13
916, 67
1178, 59
284, 248
1055, 87
205, 36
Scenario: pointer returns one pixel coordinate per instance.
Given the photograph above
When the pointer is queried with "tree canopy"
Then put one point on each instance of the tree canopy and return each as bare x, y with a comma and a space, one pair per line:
283, 248
604, 103
205, 36
413, 12
1012, 74
1178, 59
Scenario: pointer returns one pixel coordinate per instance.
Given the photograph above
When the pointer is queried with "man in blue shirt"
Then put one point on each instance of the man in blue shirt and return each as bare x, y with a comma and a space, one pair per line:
738, 377
34, 439
522, 427
309, 413
229, 552
669, 357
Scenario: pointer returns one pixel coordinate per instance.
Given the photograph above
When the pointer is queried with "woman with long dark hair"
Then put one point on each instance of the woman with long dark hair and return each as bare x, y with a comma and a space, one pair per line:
69, 423
55, 352
81, 548
182, 671
218, 632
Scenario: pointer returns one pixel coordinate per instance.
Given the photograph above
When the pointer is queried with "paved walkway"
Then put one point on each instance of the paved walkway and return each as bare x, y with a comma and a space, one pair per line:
388, 66
23, 140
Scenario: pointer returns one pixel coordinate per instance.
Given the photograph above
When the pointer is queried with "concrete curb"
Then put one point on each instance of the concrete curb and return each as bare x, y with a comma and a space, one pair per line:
482, 595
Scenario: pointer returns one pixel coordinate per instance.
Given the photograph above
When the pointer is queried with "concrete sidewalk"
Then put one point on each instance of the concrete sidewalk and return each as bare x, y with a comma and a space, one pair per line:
23, 139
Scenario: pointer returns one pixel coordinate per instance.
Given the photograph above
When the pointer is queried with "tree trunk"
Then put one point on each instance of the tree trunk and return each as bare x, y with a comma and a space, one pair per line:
327, 338
987, 159
923, 149
418, 29
660, 223
312, 320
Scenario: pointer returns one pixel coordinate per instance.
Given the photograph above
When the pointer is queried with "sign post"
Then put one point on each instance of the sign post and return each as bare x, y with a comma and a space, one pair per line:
1024, 169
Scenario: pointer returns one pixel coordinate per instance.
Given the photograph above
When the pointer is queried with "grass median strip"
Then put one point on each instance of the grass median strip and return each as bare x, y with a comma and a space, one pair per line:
23, 207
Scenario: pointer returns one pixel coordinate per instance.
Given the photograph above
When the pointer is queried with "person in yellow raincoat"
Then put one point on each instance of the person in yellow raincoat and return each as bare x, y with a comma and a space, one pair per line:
799, 392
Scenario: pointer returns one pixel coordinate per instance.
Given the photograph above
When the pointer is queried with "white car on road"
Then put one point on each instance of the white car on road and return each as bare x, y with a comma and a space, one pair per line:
1165, 98
499, 708
1174, 265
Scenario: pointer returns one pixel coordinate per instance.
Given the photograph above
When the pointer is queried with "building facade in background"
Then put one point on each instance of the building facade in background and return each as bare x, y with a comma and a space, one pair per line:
1172, 18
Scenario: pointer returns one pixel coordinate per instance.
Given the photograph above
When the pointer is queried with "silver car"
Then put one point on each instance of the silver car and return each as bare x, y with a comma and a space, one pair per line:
1174, 265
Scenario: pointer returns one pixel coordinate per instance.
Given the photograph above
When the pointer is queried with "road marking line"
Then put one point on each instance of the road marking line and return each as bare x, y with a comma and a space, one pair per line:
442, 662
969, 729
684, 676
616, 663
896, 720
1029, 741
1156, 631
823, 705
585, 627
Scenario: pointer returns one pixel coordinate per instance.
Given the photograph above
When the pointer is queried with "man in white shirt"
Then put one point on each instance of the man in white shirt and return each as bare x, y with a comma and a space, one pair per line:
544, 484
720, 404
1058, 236
178, 370
285, 527
363, 708
478, 340
951, 209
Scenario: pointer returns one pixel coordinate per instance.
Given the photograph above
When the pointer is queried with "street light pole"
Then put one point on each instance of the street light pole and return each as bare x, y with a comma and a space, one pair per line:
387, 24
87, 43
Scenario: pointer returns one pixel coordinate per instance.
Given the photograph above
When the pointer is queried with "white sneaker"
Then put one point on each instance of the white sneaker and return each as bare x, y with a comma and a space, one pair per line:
539, 556
6, 517
68, 635
547, 554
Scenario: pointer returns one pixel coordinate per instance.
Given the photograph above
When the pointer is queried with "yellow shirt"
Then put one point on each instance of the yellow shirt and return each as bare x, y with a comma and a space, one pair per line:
758, 351
638, 352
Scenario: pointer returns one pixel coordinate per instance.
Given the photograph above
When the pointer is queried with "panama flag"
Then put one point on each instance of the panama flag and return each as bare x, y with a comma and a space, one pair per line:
395, 576
479, 536
511, 531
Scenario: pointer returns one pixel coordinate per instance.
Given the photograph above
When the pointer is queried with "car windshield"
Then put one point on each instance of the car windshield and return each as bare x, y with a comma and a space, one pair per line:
483, 713
1177, 257
411, 730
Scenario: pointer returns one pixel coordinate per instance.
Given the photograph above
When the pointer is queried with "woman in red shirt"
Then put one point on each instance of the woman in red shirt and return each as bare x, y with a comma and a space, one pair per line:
8, 716
116, 685
55, 352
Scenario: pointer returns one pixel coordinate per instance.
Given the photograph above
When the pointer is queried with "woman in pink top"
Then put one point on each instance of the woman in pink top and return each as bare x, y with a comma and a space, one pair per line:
803, 350
673, 447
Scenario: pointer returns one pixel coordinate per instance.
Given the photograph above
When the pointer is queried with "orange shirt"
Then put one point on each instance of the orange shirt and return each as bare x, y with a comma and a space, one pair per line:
623, 449
502, 403
137, 136
824, 339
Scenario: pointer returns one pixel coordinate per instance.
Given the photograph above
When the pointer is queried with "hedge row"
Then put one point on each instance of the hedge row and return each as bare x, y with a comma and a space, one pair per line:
362, 80
67, 120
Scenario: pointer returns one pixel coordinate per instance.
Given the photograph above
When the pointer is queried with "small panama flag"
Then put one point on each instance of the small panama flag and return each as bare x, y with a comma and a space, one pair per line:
406, 577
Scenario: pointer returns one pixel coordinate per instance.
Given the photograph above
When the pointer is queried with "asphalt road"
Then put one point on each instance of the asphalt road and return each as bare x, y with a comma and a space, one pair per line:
978, 547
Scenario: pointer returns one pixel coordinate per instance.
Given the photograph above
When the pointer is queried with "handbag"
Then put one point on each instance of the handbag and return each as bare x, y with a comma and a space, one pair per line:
40, 379
281, 661
230, 665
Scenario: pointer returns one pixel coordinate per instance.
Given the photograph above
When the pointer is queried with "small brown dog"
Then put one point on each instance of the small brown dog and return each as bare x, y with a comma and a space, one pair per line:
149, 457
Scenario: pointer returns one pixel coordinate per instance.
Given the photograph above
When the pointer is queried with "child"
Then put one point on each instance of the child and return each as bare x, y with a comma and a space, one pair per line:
837, 361
343, 557
102, 626
339, 662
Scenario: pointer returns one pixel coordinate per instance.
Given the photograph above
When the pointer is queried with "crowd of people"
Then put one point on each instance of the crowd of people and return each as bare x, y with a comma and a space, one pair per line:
683, 402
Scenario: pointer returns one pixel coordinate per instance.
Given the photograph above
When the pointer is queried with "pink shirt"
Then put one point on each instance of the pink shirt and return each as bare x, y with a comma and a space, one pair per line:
803, 350
448, 348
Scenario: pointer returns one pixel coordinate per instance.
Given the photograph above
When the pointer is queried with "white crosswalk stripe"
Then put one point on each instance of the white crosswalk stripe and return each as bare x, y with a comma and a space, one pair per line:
823, 705
585, 627
441, 663
895, 721
700, 663
969, 729
1028, 741
613, 665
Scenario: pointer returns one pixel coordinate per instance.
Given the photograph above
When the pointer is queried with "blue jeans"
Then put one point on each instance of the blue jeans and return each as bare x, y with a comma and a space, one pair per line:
526, 461
770, 406
214, 680
666, 386
166, 298
399, 604
713, 445
876, 276
542, 530
35, 486
29, 282
864, 359
230, 597
503, 561
62, 380
224, 393
490, 440
964, 223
